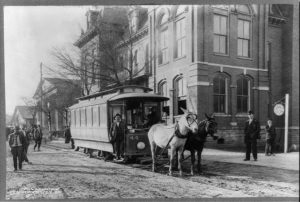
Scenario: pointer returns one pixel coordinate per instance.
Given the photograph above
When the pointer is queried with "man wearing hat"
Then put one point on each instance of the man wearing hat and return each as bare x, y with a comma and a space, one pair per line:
252, 133
16, 140
117, 135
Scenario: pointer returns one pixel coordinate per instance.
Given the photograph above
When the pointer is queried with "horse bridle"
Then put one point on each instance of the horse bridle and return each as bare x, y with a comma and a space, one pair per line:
193, 120
207, 122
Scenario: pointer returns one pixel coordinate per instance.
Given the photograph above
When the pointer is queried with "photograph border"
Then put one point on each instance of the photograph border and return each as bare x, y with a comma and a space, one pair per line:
4, 3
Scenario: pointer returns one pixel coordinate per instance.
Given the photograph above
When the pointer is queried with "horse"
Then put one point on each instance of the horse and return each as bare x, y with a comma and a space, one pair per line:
195, 142
174, 136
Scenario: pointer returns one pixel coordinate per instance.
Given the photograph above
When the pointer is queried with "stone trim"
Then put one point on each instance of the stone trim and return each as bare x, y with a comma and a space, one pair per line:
266, 88
232, 66
199, 83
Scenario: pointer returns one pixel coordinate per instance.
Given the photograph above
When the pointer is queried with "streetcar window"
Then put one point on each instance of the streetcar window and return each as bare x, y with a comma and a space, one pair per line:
95, 115
83, 117
73, 118
103, 114
77, 117
98, 115
89, 116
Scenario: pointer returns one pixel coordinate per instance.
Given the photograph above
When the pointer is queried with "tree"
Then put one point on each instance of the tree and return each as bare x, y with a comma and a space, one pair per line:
110, 58
33, 106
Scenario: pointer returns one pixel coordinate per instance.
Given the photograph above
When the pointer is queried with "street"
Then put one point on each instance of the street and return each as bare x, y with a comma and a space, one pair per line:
58, 172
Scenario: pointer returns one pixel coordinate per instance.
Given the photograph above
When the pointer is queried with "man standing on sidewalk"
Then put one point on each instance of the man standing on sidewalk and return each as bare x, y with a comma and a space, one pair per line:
16, 140
252, 133
26, 145
38, 136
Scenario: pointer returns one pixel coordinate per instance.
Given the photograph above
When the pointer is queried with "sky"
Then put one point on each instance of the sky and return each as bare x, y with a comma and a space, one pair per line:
30, 33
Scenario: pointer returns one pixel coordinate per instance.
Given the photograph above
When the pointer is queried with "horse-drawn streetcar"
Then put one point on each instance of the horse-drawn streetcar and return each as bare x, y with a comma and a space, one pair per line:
92, 117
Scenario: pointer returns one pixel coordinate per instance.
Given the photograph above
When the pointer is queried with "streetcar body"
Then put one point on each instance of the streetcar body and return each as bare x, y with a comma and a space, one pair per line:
92, 118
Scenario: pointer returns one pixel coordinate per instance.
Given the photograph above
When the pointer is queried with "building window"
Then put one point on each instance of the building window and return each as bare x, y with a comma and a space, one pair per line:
163, 57
180, 34
243, 95
220, 94
147, 58
135, 58
163, 90
243, 38
180, 38
220, 34
163, 41
181, 89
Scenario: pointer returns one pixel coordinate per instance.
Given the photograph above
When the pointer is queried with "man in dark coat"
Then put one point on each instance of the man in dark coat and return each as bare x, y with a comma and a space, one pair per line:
252, 133
152, 117
26, 144
117, 135
16, 141
68, 137
270, 138
38, 136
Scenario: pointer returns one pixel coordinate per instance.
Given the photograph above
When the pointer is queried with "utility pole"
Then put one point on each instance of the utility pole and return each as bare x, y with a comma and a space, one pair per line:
286, 123
41, 69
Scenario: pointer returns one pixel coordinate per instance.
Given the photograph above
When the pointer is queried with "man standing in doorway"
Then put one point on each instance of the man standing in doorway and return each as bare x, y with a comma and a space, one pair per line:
16, 140
252, 133
117, 135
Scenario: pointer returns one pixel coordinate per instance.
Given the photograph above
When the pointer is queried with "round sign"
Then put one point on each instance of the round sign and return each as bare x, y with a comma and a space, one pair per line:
279, 109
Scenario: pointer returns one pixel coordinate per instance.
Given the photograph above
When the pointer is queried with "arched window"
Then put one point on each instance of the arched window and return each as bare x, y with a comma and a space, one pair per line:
163, 40
243, 95
180, 95
220, 94
180, 33
243, 9
163, 90
244, 31
180, 9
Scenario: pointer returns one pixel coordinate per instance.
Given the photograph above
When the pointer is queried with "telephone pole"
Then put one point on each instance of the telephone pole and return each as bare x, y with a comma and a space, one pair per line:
41, 69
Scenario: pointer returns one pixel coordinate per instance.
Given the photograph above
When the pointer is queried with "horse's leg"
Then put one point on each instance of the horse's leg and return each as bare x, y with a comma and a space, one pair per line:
176, 160
192, 161
152, 145
199, 152
173, 152
180, 160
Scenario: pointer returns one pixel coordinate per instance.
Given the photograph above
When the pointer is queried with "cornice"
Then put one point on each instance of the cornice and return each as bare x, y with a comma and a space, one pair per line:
86, 37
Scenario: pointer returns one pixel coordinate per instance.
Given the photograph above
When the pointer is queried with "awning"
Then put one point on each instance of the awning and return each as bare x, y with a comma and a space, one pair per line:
142, 96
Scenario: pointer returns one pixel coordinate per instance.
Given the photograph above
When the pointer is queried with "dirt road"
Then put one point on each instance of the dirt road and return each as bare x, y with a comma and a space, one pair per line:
64, 174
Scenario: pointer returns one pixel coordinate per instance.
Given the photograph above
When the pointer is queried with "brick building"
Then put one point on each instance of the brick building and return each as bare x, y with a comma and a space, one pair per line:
216, 59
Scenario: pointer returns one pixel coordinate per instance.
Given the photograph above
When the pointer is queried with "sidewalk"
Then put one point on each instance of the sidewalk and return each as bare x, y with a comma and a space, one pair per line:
289, 161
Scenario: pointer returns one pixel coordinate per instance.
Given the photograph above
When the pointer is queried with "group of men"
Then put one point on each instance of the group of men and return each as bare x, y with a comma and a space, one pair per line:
19, 141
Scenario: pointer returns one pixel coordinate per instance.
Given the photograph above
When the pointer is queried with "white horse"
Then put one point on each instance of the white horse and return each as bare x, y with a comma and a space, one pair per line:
160, 135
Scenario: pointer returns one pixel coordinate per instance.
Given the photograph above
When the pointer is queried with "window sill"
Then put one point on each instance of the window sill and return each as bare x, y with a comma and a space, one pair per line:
244, 58
163, 64
221, 54
179, 58
241, 115
222, 115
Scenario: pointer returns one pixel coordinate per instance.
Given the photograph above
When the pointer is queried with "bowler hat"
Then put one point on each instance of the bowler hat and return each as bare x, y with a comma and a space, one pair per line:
119, 115
17, 127
250, 112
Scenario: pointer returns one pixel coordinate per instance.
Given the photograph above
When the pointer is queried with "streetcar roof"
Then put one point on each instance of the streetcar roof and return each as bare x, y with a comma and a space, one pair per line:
144, 96
112, 90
